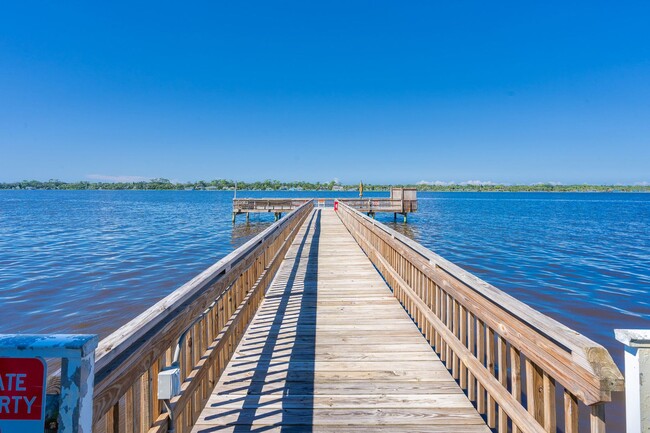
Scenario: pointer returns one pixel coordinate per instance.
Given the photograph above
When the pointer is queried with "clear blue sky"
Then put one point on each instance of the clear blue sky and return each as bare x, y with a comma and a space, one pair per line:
510, 92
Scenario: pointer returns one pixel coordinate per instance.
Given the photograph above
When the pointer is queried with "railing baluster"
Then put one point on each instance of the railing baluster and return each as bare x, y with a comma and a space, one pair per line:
535, 391
462, 318
480, 391
471, 344
489, 361
570, 412
438, 313
550, 422
456, 330
597, 418
515, 378
503, 379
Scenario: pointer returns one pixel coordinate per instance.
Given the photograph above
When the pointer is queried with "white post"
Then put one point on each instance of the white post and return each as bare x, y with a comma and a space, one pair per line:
637, 378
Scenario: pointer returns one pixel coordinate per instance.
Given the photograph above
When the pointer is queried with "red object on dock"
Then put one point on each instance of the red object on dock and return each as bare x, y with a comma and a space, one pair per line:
336, 205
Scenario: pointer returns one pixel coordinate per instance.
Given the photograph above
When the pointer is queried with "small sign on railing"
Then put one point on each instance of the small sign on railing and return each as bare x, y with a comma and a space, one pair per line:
22, 395
23, 374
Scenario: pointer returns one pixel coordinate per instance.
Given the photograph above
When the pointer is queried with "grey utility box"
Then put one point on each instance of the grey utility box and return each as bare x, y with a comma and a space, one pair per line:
169, 383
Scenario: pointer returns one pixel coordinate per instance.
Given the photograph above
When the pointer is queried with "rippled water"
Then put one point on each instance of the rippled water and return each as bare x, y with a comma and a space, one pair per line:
83, 261
88, 261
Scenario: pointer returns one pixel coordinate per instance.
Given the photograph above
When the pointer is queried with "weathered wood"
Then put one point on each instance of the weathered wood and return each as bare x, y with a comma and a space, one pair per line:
570, 413
329, 344
552, 352
366, 205
515, 377
597, 418
503, 379
481, 400
535, 391
551, 345
303, 364
550, 421
489, 363
493, 387
136, 352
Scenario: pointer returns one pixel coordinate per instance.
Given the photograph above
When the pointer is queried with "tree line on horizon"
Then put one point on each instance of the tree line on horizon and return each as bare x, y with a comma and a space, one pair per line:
276, 185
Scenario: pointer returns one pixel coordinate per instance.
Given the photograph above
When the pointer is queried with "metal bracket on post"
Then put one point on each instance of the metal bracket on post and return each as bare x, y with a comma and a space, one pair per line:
637, 378
77, 354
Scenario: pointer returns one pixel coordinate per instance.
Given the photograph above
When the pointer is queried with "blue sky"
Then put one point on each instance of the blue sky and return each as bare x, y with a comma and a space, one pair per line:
509, 92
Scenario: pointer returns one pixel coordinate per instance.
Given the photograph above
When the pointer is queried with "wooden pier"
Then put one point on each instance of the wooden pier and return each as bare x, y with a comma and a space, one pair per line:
329, 321
402, 201
331, 348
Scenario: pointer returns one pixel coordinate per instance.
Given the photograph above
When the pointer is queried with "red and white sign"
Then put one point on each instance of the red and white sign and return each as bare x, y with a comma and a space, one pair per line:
22, 394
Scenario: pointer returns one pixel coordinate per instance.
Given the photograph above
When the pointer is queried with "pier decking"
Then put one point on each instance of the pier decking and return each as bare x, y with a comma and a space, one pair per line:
330, 348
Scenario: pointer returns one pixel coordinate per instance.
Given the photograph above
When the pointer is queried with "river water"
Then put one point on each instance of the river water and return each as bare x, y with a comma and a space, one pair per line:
89, 261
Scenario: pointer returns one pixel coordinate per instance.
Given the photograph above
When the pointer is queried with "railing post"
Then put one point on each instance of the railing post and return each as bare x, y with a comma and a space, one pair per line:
637, 378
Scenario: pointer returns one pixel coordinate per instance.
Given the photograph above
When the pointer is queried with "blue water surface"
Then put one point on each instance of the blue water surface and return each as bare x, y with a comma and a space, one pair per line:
89, 261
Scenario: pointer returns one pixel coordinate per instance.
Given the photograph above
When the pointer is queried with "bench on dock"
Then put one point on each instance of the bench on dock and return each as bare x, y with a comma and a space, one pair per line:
330, 321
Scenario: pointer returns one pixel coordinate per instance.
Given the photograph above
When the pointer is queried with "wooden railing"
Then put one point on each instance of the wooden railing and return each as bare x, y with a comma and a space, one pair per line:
370, 204
266, 204
380, 204
522, 370
212, 312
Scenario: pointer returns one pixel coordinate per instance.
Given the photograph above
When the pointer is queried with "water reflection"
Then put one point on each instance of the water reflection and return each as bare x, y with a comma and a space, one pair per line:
243, 231
406, 229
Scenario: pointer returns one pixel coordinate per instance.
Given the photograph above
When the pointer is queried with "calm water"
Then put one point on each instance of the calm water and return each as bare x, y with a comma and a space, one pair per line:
88, 261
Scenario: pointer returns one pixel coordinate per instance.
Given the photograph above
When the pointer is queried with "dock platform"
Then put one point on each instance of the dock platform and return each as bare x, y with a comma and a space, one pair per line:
331, 349
402, 201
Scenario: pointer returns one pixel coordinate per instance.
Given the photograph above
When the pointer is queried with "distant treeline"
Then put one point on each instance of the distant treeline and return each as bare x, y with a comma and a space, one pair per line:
275, 185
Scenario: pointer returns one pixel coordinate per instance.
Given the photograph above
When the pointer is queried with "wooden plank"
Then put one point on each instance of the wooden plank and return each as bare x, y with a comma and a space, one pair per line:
349, 428
597, 418
342, 401
515, 378
258, 417
394, 387
535, 391
570, 413
550, 422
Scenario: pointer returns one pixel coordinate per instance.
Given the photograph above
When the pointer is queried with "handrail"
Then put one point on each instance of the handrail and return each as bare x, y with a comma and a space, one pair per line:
291, 203
128, 360
485, 336
381, 204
